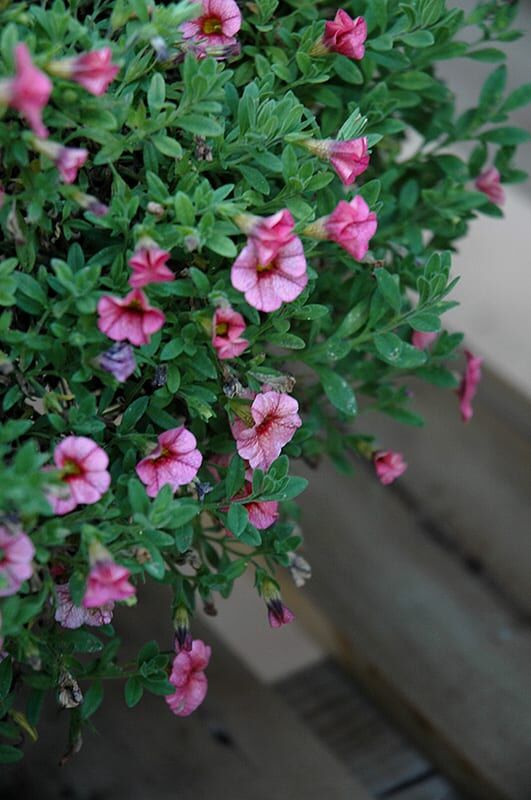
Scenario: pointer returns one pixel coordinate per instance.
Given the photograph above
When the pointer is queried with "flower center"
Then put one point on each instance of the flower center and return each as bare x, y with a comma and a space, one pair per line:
70, 469
222, 328
265, 267
135, 305
212, 25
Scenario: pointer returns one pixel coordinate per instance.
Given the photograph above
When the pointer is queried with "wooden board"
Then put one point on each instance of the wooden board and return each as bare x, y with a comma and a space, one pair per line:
422, 633
243, 744
470, 485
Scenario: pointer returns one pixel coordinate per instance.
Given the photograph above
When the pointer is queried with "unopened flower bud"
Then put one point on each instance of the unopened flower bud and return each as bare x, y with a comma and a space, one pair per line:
156, 209
277, 613
183, 635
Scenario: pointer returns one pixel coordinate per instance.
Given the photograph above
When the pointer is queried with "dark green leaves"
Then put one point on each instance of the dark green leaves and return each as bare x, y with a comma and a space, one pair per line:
398, 353
338, 392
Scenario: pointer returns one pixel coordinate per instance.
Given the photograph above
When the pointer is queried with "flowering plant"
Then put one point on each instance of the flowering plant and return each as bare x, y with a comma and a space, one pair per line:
219, 247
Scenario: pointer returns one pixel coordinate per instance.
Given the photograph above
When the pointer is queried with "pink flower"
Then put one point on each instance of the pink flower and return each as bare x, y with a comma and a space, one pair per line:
277, 613
93, 70
189, 679
227, 327
69, 615
489, 183
267, 286
83, 471
346, 35
262, 513
389, 465
148, 263
268, 234
469, 385
349, 158
130, 318
68, 160
29, 91
275, 420
352, 225
16, 554
217, 26
107, 582
174, 462
422, 340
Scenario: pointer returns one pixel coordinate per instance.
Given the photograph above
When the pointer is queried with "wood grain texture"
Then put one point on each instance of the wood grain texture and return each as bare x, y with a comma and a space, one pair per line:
422, 634
243, 743
470, 485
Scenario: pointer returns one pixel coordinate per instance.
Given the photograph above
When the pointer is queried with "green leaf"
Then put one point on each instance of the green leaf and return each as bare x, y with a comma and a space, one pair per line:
488, 54
133, 413
183, 512
293, 487
389, 285
172, 350
338, 391
425, 322
10, 754
418, 39
237, 519
133, 691
6, 676
200, 126
156, 94
287, 340
492, 90
92, 699
235, 476
397, 352
518, 98
506, 136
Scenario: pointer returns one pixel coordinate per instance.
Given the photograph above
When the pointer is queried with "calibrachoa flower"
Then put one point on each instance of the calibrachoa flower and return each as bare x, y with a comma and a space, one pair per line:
189, 679
94, 71
130, 318
267, 286
469, 385
28, 92
83, 470
107, 581
218, 24
262, 513
489, 183
174, 462
16, 554
349, 158
183, 634
275, 420
277, 613
148, 263
227, 327
268, 234
352, 225
119, 360
344, 35
423, 340
68, 160
389, 465
90, 203
69, 615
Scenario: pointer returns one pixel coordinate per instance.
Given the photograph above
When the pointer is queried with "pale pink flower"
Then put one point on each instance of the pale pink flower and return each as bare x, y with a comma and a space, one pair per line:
346, 35
130, 318
389, 465
227, 327
278, 614
422, 340
148, 263
262, 513
469, 385
268, 234
16, 554
189, 679
69, 615
275, 420
267, 286
174, 462
68, 160
29, 91
217, 26
94, 71
349, 158
83, 471
489, 183
352, 225
107, 582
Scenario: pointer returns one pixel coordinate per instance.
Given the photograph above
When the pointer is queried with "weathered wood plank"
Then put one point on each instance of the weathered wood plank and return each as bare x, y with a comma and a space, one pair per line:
242, 743
470, 484
340, 715
422, 634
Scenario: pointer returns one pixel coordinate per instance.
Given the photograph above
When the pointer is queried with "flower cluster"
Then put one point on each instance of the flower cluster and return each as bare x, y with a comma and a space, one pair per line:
215, 252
